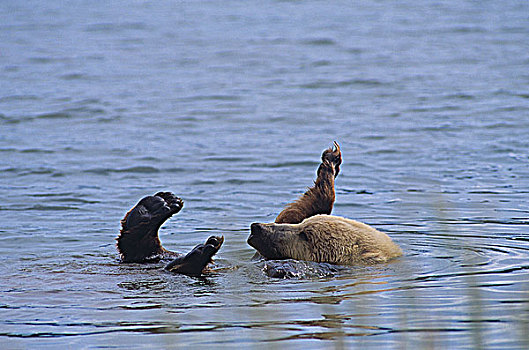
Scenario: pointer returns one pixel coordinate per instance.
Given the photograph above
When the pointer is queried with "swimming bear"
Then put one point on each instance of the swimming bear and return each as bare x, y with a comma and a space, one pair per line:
324, 238
138, 239
304, 230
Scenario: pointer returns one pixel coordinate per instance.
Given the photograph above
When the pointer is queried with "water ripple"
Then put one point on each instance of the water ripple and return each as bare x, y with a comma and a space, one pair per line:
326, 84
133, 170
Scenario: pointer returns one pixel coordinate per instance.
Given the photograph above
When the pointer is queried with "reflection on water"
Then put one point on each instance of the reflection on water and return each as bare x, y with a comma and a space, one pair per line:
230, 108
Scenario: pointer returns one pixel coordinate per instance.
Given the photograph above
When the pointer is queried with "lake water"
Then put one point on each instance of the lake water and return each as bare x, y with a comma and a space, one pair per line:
229, 105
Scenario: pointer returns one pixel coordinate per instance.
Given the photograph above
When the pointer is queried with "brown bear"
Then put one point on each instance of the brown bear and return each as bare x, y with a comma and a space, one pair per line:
302, 232
138, 239
324, 238
318, 199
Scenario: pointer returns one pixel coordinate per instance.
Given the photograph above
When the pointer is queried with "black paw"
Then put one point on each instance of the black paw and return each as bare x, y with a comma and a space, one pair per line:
152, 211
196, 261
172, 202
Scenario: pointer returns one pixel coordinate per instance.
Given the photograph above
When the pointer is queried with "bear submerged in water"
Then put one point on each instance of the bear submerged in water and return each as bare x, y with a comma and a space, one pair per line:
324, 238
304, 230
138, 239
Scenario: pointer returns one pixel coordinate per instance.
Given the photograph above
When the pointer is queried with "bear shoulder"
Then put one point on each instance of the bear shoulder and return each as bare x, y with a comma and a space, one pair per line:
348, 241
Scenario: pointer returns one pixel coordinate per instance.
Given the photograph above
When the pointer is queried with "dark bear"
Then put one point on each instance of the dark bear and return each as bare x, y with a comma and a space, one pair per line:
138, 239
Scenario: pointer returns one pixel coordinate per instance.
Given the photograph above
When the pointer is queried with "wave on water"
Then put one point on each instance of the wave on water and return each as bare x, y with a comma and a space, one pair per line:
132, 170
328, 84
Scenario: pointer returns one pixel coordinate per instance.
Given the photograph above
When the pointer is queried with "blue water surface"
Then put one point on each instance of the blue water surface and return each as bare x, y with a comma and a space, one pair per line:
229, 105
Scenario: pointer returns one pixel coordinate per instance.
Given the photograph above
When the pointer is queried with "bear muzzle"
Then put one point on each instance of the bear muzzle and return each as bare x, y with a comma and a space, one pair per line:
255, 233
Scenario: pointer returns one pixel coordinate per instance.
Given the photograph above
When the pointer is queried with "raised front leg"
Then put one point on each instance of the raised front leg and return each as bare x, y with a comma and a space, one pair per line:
138, 239
319, 199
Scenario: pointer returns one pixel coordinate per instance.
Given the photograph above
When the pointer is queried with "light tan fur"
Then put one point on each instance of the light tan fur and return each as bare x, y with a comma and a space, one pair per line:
324, 238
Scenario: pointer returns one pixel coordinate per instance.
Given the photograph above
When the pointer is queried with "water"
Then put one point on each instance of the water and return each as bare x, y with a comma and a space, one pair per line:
230, 106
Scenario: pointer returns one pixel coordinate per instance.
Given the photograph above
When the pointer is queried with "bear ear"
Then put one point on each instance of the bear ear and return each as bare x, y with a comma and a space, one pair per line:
303, 236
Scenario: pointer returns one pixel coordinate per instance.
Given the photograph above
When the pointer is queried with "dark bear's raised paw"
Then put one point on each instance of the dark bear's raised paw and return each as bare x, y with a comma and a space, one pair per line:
196, 261
174, 203
138, 239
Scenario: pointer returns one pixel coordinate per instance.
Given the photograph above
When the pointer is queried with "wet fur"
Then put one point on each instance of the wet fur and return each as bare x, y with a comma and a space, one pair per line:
138, 239
319, 199
304, 230
324, 238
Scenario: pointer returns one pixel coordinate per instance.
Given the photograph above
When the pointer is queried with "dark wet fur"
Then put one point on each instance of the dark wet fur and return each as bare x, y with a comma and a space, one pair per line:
299, 269
138, 239
197, 260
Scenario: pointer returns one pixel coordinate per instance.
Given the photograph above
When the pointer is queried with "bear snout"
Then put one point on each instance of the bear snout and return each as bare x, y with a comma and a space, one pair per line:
255, 227
255, 231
